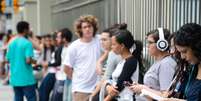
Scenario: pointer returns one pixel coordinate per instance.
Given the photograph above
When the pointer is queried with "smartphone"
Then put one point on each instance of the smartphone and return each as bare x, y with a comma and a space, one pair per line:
127, 83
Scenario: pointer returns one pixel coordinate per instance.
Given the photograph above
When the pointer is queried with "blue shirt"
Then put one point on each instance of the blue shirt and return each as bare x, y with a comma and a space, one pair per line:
194, 91
21, 73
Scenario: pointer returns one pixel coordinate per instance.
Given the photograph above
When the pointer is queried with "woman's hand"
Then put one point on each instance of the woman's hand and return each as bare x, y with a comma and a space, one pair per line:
44, 64
112, 90
172, 99
165, 93
137, 88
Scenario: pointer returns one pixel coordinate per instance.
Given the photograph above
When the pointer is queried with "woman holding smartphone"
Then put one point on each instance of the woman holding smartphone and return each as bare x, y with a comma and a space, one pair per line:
128, 68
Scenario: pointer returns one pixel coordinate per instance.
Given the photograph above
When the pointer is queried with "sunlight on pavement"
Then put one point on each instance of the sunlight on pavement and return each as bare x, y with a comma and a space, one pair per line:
6, 93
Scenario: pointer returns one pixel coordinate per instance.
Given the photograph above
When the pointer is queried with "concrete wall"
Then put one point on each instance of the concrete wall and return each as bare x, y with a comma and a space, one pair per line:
37, 13
44, 16
16, 17
65, 12
30, 14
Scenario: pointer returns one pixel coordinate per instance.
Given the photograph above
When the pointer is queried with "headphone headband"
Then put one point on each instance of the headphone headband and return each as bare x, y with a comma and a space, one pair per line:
161, 34
162, 44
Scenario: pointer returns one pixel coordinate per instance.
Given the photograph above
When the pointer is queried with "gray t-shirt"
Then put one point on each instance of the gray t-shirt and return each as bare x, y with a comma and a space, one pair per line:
111, 63
160, 74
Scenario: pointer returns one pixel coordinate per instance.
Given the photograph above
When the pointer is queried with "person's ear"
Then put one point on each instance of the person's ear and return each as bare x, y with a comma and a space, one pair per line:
122, 47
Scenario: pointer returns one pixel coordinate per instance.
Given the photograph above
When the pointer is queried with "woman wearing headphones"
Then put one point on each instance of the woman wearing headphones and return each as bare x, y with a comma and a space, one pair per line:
160, 74
188, 43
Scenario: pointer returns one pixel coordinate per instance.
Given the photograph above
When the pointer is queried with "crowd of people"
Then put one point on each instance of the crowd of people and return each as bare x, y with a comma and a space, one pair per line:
102, 67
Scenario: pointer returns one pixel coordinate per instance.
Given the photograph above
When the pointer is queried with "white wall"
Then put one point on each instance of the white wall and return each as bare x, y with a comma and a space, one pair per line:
38, 14
30, 14
44, 16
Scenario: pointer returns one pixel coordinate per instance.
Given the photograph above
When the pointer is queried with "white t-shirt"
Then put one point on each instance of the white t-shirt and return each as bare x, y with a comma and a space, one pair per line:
126, 93
82, 58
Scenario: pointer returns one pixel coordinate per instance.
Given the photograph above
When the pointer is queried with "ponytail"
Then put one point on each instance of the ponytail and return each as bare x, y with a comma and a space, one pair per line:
138, 54
138, 49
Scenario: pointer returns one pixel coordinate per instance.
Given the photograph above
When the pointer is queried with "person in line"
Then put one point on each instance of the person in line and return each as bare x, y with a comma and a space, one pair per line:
67, 92
65, 35
108, 60
128, 68
185, 40
81, 58
160, 74
178, 84
49, 80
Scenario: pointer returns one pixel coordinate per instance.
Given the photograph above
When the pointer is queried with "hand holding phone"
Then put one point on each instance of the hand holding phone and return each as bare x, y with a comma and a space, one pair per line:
127, 83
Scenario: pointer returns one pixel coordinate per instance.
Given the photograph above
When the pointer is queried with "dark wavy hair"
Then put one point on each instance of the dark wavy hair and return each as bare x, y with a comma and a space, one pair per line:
67, 34
189, 35
114, 28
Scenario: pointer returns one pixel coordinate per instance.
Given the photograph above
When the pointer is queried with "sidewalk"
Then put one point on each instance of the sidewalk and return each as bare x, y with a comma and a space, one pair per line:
6, 93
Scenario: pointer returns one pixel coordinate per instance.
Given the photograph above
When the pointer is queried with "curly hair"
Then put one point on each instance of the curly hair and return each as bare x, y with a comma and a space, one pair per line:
189, 35
85, 18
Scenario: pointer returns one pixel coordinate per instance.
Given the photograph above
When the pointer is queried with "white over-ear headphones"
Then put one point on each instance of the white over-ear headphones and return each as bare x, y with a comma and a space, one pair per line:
162, 44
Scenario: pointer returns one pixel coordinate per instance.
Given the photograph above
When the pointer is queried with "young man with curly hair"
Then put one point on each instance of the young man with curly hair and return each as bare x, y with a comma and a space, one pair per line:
82, 56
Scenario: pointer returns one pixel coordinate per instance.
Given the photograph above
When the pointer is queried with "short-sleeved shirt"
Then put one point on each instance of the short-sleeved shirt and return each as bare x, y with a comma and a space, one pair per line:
111, 63
21, 73
160, 74
82, 57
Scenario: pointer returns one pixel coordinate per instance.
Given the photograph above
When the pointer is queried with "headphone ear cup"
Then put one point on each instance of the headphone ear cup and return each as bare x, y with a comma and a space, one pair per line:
162, 45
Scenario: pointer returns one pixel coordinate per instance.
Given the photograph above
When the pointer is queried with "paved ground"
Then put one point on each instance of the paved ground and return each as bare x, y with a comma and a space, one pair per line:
6, 93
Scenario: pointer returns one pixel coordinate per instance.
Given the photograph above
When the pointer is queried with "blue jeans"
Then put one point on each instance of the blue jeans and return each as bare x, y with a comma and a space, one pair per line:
58, 90
28, 91
46, 87
67, 90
